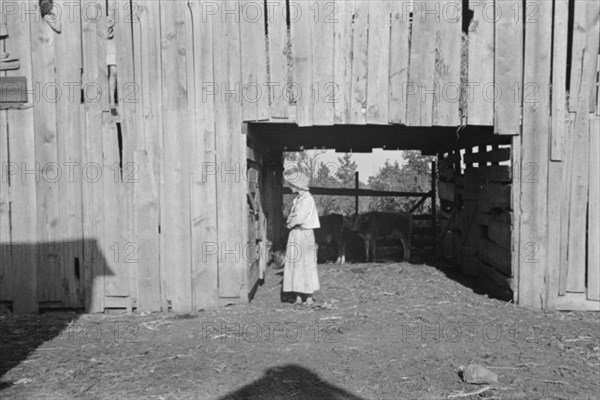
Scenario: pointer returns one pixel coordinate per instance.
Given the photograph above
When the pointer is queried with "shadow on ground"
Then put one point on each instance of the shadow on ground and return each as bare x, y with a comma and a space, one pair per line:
287, 382
476, 284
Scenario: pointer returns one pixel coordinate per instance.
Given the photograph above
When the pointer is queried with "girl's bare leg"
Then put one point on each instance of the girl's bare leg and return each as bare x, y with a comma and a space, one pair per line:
309, 300
298, 299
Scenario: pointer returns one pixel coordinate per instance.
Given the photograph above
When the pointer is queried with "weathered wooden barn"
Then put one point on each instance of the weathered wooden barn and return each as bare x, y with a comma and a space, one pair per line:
141, 142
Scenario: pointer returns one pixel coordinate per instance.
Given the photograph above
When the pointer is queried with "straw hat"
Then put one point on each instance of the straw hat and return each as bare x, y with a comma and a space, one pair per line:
297, 179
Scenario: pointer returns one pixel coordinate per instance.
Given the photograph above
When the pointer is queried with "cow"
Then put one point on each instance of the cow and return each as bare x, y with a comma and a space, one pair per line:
331, 229
375, 225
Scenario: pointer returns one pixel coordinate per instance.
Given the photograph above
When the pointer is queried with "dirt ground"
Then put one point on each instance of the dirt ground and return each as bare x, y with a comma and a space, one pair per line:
385, 331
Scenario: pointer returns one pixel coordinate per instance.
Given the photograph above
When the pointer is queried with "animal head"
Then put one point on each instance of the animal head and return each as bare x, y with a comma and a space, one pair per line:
359, 220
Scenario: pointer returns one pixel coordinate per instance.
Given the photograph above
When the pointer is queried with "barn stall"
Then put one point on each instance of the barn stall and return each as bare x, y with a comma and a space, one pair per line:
141, 147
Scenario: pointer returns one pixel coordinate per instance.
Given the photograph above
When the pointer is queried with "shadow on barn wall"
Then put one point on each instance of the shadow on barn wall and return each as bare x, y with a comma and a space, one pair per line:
65, 276
290, 381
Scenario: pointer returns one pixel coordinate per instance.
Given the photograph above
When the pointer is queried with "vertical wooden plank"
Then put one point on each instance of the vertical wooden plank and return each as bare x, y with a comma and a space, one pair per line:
554, 229
580, 154
128, 97
534, 201
146, 214
250, 53
590, 65
360, 61
203, 170
515, 194
96, 86
149, 86
68, 72
593, 250
447, 67
255, 12
399, 56
508, 67
117, 272
559, 78
302, 38
175, 201
278, 61
324, 15
420, 91
43, 41
23, 143
585, 34
231, 157
6, 272
342, 53
481, 63
579, 181
565, 207
378, 70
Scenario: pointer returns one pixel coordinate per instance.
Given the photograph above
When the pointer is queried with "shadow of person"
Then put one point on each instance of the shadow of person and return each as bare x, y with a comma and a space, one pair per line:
290, 381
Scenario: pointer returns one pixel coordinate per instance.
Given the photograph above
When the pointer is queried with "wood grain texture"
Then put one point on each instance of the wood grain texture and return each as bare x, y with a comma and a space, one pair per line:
593, 250
147, 39
399, 56
94, 77
43, 42
302, 50
175, 198
481, 63
508, 68
323, 87
231, 159
559, 79
535, 141
203, 177
447, 68
421, 89
378, 68
360, 61
278, 61
67, 71
342, 53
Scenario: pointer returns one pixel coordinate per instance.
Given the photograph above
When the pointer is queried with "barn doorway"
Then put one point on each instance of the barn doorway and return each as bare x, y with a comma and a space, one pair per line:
472, 179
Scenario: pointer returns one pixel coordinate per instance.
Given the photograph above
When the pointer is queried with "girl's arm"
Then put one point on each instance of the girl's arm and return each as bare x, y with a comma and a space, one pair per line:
299, 214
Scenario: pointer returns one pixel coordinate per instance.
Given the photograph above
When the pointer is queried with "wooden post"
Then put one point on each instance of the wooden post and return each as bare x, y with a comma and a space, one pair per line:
356, 197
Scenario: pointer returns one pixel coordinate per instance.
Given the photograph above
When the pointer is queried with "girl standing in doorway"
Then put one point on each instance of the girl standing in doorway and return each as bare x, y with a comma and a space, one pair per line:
300, 272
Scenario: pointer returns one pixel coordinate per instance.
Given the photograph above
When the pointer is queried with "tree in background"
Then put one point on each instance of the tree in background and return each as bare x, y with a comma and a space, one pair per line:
413, 176
332, 175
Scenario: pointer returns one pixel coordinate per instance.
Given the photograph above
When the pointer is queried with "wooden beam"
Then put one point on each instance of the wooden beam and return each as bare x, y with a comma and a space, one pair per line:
498, 155
359, 192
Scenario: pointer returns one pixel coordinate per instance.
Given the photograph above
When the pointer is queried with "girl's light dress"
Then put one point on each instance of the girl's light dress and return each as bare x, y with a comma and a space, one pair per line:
300, 272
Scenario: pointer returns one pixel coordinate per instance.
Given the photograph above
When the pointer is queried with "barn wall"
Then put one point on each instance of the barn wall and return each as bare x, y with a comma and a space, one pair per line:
123, 182
477, 218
